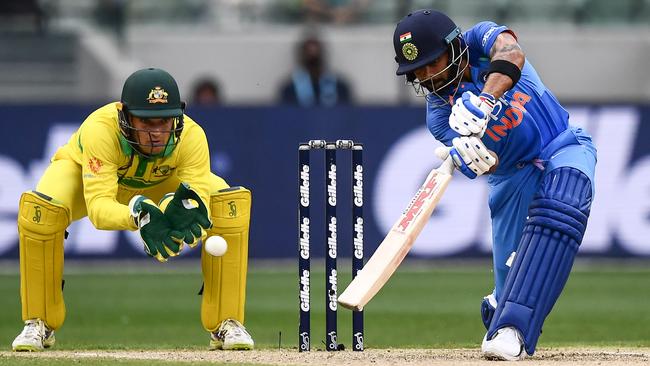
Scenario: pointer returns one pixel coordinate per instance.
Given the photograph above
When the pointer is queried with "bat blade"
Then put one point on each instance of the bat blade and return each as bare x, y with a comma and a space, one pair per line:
399, 240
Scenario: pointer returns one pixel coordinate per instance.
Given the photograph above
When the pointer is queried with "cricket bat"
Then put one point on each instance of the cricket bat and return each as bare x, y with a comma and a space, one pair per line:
399, 240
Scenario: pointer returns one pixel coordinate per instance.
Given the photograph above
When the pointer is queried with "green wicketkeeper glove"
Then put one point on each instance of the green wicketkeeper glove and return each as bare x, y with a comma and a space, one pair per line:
186, 213
156, 233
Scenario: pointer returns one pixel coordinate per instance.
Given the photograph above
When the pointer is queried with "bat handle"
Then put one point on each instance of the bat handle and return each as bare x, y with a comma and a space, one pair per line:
447, 166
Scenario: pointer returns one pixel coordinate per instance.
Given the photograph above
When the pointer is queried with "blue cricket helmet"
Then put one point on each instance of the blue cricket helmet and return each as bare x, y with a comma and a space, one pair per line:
421, 37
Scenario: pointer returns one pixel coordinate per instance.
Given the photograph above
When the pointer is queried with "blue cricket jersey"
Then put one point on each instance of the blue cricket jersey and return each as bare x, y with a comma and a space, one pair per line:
529, 118
530, 124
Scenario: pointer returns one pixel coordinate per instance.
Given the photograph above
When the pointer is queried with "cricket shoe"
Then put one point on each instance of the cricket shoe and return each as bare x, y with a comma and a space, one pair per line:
507, 344
231, 335
35, 336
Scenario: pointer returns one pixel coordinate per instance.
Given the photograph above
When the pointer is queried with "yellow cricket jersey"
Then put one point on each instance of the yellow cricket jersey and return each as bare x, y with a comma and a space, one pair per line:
107, 166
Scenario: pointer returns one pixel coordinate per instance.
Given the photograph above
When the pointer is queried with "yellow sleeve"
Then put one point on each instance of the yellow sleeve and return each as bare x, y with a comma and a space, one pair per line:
100, 158
194, 161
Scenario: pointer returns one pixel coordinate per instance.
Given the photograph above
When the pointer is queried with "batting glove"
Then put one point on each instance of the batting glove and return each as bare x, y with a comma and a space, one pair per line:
471, 114
470, 156
157, 235
187, 214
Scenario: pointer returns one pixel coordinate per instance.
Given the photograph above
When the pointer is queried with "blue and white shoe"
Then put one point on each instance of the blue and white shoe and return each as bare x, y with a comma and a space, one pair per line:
36, 336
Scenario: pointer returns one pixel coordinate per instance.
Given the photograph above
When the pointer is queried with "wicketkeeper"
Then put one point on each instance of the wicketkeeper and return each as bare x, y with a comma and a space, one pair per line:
138, 164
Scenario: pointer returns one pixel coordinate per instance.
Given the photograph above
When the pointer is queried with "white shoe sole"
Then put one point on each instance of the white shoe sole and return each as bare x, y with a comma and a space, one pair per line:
499, 357
495, 355
233, 347
47, 343
492, 354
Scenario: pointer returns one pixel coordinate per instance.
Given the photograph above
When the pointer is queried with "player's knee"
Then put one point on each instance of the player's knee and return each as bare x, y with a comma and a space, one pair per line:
570, 186
563, 203
40, 214
230, 208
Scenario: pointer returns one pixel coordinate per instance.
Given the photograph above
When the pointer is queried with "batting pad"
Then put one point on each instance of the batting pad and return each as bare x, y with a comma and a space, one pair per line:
556, 223
41, 230
224, 278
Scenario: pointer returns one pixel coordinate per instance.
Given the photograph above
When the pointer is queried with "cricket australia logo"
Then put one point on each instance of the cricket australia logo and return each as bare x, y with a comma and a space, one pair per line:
304, 291
331, 185
357, 189
157, 95
304, 186
162, 170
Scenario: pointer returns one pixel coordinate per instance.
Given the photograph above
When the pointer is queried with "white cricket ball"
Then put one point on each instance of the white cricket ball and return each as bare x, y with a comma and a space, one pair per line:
216, 246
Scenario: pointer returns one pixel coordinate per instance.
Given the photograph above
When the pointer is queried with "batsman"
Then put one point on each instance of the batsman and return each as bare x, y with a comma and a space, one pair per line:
488, 105
137, 164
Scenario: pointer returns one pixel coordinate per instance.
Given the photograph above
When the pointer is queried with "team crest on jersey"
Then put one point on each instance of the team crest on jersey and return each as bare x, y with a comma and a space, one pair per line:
157, 95
94, 165
162, 170
410, 51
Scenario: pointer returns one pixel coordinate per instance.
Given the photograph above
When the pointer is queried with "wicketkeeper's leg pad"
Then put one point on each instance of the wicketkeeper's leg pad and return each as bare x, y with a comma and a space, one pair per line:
41, 229
224, 278
556, 224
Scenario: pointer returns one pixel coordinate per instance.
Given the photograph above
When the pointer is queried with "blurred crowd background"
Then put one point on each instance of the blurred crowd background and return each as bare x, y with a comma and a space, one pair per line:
259, 52
263, 75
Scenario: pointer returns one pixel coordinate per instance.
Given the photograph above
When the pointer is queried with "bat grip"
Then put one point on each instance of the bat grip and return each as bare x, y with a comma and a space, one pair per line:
447, 166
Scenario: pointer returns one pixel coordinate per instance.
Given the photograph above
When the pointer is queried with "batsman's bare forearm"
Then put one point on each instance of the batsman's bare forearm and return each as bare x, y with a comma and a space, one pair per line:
505, 48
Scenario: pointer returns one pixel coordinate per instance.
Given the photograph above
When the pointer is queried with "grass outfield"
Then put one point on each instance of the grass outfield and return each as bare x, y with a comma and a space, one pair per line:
427, 305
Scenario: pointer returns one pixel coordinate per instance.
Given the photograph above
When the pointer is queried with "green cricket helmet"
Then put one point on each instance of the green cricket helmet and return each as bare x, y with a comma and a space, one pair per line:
150, 93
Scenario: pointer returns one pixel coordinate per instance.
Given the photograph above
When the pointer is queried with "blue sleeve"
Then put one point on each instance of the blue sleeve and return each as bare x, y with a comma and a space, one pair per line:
438, 124
481, 37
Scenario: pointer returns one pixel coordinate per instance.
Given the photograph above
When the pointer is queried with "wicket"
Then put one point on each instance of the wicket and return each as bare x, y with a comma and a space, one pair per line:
304, 329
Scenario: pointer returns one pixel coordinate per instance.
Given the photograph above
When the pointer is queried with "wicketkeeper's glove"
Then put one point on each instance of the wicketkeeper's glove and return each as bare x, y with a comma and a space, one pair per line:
160, 240
187, 214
